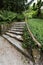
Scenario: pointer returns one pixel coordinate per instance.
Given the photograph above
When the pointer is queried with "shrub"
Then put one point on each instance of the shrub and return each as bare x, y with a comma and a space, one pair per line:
7, 15
20, 17
30, 13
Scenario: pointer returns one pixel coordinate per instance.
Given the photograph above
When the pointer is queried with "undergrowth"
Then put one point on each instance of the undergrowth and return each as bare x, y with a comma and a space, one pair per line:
27, 40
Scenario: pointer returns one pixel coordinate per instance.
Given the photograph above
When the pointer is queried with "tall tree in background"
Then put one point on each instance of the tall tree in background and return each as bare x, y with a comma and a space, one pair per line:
37, 7
34, 6
14, 5
19, 5
39, 4
1, 4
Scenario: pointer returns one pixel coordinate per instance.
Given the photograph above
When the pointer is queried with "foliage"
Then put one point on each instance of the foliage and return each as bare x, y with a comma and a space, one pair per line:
30, 13
7, 15
11, 16
20, 17
34, 6
28, 42
34, 11
36, 26
37, 7
13, 5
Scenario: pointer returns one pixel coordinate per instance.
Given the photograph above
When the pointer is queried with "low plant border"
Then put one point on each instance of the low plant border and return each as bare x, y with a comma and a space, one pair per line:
32, 36
34, 39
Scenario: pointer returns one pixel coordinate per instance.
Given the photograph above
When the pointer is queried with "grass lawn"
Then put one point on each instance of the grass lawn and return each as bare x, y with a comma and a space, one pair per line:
36, 26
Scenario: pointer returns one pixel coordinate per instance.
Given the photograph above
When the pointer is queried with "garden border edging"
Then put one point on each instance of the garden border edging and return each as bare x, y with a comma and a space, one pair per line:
32, 36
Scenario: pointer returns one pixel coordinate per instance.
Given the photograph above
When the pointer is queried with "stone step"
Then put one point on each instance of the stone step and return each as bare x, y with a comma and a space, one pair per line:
14, 32
18, 37
17, 27
18, 23
18, 46
19, 30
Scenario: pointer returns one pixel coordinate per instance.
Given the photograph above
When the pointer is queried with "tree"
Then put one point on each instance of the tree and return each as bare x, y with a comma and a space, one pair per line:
15, 5
21, 5
39, 4
1, 4
37, 7
34, 6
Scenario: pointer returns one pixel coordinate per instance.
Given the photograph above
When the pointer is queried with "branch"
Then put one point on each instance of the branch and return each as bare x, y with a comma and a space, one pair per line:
29, 2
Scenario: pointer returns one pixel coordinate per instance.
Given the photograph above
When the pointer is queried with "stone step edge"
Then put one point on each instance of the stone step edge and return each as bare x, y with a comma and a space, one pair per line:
14, 37
19, 22
23, 52
16, 30
15, 33
18, 25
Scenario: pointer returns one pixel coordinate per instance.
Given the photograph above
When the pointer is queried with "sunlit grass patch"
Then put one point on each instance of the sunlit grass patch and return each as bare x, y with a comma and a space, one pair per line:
36, 26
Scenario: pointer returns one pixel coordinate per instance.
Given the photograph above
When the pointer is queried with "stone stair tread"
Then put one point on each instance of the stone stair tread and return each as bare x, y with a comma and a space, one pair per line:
20, 30
17, 44
17, 27
22, 24
10, 36
19, 37
15, 32
19, 22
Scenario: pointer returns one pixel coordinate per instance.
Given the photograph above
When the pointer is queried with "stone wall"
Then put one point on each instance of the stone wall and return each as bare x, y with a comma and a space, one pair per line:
4, 28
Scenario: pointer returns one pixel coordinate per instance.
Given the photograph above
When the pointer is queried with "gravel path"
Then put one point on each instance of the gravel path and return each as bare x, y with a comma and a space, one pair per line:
10, 56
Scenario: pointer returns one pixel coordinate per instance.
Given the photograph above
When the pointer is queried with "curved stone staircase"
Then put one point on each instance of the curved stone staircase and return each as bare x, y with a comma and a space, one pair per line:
14, 36
16, 31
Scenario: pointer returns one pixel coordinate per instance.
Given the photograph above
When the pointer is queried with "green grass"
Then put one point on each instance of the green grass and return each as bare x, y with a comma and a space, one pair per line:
36, 27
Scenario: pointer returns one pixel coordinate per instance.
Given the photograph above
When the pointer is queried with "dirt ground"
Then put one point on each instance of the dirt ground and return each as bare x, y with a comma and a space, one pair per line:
10, 56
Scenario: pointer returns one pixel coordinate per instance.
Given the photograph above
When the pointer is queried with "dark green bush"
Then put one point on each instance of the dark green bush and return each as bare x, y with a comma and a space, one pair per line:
10, 16
7, 15
20, 17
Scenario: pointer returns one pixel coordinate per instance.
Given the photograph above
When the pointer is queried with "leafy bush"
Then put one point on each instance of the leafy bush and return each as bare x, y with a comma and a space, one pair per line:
30, 13
20, 17
10, 16
7, 15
